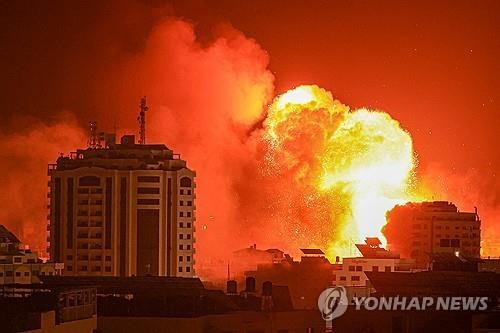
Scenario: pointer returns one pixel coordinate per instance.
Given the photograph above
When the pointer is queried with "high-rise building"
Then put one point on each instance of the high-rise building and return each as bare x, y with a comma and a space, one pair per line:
122, 210
420, 230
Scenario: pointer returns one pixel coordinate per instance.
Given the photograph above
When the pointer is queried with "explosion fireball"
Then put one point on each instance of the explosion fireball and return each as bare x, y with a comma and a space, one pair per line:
362, 162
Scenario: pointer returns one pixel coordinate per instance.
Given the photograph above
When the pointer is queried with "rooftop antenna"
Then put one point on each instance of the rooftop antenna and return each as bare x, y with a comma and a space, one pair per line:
142, 121
94, 142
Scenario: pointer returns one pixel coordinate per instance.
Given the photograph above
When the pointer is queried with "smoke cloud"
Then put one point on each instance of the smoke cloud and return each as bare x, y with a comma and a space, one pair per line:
23, 162
208, 102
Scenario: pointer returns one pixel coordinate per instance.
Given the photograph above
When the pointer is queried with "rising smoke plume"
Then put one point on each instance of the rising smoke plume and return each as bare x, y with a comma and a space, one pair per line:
288, 175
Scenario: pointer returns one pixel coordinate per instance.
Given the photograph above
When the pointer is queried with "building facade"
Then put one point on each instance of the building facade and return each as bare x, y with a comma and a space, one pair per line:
352, 272
126, 209
418, 230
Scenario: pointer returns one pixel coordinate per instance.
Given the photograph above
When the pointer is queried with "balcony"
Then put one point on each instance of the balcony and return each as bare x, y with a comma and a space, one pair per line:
82, 224
82, 235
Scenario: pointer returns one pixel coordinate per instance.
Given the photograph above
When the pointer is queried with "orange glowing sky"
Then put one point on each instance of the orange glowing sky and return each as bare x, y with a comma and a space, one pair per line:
210, 70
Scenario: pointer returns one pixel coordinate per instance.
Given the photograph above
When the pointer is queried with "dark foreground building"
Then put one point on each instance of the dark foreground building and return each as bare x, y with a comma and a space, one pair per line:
427, 284
163, 304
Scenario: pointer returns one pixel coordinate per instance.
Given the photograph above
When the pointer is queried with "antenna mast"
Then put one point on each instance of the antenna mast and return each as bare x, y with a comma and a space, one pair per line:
142, 121
94, 141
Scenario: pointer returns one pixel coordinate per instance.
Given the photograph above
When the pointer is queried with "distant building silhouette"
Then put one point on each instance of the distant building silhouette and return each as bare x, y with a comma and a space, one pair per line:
121, 210
421, 230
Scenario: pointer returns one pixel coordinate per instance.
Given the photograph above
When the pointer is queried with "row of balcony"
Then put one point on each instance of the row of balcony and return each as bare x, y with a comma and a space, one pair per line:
95, 236
91, 202
91, 224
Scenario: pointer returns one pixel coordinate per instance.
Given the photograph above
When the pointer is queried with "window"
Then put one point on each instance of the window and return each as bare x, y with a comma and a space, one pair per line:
181, 258
188, 236
108, 258
18, 259
148, 190
26, 273
181, 214
8, 273
181, 247
181, 225
355, 278
18, 274
359, 268
69, 257
181, 203
188, 269
83, 190
148, 201
83, 268
180, 269
108, 268
148, 179
188, 247
181, 236
97, 268
188, 225
188, 214
185, 182
188, 192
68, 268
455, 243
89, 181
189, 203
343, 278
188, 258
181, 192
444, 242
387, 269
352, 268
374, 268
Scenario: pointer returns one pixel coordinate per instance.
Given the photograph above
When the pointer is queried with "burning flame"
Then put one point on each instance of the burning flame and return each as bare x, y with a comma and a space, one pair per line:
361, 160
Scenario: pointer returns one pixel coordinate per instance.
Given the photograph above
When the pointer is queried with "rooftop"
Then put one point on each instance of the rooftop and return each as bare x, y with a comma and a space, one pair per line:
126, 155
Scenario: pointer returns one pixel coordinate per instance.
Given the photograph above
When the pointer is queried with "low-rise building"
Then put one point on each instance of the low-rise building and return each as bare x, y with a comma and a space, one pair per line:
21, 266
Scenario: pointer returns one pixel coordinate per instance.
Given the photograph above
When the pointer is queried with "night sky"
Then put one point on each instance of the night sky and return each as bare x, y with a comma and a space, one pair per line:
432, 65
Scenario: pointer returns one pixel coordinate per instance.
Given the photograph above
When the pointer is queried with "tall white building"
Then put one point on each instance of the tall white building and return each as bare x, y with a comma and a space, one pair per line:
126, 209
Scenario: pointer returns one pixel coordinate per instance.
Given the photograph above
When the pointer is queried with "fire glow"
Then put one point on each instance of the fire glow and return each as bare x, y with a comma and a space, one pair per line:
360, 160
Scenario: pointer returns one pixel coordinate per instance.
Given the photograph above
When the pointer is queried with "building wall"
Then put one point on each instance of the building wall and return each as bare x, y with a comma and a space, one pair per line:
94, 224
25, 273
78, 326
352, 273
235, 322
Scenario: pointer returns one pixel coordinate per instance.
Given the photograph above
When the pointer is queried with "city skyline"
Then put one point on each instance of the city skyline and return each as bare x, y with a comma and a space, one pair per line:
209, 100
